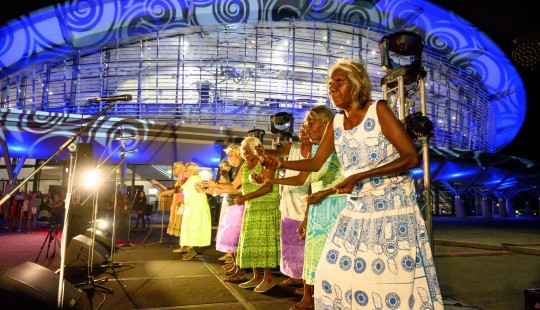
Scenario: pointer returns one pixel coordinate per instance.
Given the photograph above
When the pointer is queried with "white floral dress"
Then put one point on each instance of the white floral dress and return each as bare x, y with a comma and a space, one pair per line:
377, 255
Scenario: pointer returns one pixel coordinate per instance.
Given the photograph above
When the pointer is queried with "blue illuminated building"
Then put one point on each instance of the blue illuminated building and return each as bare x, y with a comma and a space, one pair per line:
203, 73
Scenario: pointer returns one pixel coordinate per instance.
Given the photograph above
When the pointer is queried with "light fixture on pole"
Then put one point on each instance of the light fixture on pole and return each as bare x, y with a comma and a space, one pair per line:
401, 87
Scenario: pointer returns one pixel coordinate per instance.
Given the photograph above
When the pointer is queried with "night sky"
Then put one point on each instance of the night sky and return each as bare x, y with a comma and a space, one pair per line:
503, 21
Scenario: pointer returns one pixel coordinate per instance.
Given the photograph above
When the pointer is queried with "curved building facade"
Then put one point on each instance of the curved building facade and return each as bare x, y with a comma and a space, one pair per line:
230, 65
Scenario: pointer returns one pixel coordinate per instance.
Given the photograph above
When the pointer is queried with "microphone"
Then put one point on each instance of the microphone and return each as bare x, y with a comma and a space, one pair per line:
126, 138
112, 98
131, 151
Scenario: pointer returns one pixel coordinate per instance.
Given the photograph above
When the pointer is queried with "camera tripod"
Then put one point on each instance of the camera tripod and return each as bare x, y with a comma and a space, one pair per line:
52, 236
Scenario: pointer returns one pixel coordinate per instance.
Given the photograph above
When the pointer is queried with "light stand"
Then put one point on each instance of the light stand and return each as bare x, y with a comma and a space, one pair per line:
91, 282
400, 87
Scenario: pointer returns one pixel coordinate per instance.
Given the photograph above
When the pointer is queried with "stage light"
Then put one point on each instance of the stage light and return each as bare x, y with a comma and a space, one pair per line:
418, 126
92, 178
257, 133
281, 122
403, 43
103, 224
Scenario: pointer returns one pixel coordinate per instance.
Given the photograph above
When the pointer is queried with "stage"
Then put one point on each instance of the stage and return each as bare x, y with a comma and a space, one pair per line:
481, 264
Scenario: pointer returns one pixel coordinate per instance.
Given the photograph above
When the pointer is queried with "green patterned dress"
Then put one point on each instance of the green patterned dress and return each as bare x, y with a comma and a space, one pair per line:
258, 246
322, 216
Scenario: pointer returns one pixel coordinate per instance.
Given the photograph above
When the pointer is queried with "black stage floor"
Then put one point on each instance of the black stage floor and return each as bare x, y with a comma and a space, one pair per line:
481, 264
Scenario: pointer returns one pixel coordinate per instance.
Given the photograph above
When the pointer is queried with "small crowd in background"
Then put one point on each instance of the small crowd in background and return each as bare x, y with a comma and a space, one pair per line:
27, 211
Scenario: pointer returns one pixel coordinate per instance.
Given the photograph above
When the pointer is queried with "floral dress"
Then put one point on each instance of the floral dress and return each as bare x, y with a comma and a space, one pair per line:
377, 255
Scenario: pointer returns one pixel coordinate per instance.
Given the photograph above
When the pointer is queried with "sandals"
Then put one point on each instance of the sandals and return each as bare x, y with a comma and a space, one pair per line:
298, 292
265, 286
189, 255
231, 271
292, 282
251, 283
234, 278
226, 256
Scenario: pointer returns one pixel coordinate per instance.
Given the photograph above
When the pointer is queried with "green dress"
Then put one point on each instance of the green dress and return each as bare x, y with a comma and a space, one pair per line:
258, 246
322, 216
196, 223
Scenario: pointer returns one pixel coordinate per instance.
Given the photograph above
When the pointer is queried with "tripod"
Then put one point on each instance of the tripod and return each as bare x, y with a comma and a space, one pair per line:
52, 235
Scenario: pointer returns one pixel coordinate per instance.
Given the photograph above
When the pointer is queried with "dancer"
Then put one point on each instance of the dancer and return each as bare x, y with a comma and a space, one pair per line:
231, 216
377, 254
258, 247
196, 222
176, 209
293, 205
321, 212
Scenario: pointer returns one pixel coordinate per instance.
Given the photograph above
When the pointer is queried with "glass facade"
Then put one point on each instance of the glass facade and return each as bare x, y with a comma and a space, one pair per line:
238, 75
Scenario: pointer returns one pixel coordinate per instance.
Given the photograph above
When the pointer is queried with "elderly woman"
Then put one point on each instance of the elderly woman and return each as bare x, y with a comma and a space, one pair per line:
258, 246
324, 205
377, 254
196, 223
176, 209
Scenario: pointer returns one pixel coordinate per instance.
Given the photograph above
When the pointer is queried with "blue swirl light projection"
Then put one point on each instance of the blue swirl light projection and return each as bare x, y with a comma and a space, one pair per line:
52, 35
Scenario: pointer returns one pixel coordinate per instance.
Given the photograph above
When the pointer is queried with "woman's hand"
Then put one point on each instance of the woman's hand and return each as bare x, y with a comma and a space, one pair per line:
316, 197
153, 181
240, 200
212, 183
301, 230
270, 163
218, 191
199, 187
259, 178
346, 186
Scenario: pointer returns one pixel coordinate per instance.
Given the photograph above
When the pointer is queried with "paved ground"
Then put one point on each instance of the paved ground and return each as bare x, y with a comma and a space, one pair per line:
481, 264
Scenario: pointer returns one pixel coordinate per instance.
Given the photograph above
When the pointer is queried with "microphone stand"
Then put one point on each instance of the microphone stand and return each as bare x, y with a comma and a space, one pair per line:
162, 239
72, 148
110, 263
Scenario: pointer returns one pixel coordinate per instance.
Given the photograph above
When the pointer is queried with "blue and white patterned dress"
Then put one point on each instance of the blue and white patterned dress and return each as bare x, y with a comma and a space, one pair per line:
377, 255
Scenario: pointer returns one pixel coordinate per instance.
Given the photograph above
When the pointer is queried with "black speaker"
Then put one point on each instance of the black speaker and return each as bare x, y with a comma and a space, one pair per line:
32, 286
85, 156
78, 252
79, 219
532, 299
101, 238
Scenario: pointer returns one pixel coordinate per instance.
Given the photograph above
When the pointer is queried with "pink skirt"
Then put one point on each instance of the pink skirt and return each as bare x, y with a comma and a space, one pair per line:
229, 229
292, 249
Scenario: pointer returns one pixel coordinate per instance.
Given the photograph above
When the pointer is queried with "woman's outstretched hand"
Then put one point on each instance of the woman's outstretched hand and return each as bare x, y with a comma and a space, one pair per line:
270, 163
346, 186
315, 198
259, 178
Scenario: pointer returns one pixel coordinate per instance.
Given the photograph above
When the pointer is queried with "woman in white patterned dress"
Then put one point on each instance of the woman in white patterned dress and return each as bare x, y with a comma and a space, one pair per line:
378, 254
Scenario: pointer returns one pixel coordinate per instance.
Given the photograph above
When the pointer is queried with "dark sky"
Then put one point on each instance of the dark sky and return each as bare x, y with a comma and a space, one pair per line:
502, 20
